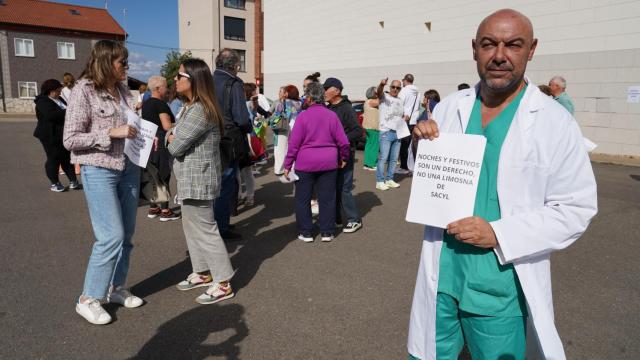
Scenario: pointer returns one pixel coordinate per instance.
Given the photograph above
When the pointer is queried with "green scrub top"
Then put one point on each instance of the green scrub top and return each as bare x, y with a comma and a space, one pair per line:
472, 275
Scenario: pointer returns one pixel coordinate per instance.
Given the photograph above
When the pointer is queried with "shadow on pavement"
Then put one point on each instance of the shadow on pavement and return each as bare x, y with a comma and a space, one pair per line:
163, 279
258, 245
205, 331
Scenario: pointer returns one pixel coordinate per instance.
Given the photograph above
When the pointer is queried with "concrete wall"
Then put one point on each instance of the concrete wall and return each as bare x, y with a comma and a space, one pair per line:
202, 27
595, 45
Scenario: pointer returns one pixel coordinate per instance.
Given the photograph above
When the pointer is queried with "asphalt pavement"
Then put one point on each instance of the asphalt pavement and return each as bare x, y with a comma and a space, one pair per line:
348, 299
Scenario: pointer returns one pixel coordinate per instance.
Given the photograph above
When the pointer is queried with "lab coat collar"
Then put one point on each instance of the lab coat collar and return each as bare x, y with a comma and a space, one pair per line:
532, 100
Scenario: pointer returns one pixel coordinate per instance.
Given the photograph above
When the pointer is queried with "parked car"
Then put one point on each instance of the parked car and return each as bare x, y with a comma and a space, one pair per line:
358, 106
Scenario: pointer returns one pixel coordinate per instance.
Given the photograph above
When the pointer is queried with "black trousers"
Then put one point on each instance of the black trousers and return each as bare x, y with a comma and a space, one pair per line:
58, 156
325, 184
404, 149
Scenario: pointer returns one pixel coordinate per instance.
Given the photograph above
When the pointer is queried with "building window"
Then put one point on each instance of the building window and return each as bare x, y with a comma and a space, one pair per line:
24, 47
243, 57
27, 89
234, 4
233, 28
66, 50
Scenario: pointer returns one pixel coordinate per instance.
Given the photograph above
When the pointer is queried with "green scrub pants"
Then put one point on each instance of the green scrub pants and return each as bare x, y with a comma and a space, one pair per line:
371, 148
487, 337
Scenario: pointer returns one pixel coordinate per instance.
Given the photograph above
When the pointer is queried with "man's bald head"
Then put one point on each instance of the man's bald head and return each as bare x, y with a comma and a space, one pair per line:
508, 16
503, 45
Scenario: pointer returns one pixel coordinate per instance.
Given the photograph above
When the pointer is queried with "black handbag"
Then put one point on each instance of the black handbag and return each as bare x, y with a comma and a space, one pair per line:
234, 147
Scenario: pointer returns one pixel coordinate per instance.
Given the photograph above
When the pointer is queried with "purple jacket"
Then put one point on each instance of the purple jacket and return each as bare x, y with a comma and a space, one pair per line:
315, 140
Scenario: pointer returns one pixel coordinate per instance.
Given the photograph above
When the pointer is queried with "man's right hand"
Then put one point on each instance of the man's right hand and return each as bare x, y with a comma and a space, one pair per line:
426, 130
122, 132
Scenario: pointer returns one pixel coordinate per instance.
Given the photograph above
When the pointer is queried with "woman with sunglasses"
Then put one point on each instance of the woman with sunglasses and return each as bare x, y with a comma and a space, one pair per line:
195, 144
95, 131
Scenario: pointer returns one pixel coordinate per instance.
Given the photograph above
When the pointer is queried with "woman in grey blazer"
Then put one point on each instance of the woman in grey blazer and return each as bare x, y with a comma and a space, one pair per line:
195, 144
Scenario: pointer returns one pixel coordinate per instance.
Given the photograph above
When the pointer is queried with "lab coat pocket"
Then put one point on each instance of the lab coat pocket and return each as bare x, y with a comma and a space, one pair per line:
529, 181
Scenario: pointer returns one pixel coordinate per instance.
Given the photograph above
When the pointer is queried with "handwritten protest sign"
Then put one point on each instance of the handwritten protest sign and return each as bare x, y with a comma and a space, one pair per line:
445, 179
139, 148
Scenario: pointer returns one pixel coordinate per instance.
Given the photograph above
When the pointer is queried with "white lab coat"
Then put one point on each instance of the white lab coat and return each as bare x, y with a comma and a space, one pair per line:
547, 194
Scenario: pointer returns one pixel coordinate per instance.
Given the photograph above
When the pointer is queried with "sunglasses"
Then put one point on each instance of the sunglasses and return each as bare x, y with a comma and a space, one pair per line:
396, 87
124, 62
183, 75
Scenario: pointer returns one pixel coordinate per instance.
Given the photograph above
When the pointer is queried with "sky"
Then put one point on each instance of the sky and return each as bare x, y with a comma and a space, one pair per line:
153, 23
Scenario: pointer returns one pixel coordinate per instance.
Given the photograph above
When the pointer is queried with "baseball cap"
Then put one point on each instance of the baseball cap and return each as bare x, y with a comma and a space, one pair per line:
332, 82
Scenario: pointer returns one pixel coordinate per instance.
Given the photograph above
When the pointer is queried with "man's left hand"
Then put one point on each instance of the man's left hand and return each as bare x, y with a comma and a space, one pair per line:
473, 230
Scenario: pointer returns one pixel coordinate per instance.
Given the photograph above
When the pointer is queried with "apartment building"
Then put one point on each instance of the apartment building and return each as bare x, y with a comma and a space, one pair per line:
40, 40
594, 45
207, 26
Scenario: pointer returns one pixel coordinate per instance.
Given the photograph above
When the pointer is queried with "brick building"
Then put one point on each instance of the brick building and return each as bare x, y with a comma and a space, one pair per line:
40, 40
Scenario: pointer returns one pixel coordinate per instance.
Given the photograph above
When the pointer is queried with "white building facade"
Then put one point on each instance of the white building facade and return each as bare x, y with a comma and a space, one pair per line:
594, 45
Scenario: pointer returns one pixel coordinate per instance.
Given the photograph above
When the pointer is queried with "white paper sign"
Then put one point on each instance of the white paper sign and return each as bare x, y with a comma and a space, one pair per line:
139, 148
633, 94
402, 130
292, 178
445, 179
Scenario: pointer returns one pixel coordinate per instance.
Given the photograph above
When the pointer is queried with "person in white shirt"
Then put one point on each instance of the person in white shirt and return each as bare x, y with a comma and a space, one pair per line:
410, 96
391, 118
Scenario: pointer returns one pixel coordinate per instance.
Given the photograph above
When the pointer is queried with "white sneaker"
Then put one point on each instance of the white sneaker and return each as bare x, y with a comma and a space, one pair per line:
391, 184
125, 298
326, 237
382, 186
305, 238
93, 312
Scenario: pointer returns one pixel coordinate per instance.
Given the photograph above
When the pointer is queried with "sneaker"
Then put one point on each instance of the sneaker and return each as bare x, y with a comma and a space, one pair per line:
153, 213
305, 238
57, 187
369, 168
215, 293
382, 186
93, 312
248, 202
125, 298
169, 215
391, 184
326, 237
352, 227
402, 171
75, 185
176, 200
193, 281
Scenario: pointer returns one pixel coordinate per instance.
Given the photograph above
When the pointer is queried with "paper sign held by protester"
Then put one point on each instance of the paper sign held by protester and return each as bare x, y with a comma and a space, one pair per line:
445, 179
402, 130
139, 148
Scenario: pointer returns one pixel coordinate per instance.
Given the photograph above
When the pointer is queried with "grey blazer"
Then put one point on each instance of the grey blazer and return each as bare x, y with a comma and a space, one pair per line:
196, 149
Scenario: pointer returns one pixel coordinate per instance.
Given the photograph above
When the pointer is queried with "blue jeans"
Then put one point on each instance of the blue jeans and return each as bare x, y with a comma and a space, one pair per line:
112, 199
228, 191
344, 198
389, 150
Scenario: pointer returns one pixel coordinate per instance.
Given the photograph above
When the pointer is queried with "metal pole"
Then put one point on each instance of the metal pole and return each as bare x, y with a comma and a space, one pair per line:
4, 104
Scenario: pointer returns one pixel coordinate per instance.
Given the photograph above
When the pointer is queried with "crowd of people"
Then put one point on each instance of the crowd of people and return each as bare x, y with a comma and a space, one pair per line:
492, 267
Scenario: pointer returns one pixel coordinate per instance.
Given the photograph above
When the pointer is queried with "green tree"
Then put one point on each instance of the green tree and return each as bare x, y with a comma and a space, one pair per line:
170, 68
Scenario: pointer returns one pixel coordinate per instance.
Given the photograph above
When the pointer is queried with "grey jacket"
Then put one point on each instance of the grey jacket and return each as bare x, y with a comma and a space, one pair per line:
196, 148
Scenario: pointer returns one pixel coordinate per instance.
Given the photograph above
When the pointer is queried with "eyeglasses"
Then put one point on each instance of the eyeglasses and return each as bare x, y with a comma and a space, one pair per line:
396, 87
124, 62
183, 75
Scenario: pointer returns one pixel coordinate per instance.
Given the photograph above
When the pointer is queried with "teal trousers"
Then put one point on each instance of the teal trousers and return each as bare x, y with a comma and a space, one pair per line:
487, 337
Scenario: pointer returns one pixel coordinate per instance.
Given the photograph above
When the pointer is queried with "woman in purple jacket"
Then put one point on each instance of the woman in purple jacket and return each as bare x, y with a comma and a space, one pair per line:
317, 146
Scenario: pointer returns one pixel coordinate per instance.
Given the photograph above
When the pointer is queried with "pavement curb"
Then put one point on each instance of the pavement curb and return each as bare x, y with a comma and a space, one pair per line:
17, 117
627, 160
